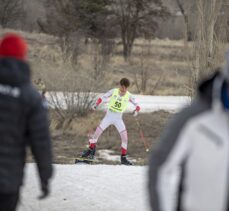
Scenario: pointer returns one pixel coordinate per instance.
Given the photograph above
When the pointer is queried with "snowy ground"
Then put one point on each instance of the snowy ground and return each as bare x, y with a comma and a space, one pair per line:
147, 103
89, 187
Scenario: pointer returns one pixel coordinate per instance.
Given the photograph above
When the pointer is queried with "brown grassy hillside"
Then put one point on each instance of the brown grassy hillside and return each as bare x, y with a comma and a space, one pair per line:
165, 62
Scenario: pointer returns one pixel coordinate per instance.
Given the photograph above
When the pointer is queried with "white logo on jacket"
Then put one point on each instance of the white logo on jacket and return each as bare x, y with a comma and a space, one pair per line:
10, 91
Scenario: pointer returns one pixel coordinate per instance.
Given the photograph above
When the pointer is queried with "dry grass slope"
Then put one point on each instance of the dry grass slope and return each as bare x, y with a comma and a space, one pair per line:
165, 62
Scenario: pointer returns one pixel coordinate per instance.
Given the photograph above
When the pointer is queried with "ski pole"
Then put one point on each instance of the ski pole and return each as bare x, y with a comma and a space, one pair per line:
146, 145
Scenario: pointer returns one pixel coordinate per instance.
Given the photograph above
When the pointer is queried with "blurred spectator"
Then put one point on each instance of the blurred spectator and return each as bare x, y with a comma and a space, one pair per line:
189, 169
41, 87
23, 122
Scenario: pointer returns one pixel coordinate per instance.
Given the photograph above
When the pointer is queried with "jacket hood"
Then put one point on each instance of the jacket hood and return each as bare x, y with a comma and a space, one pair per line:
14, 72
206, 89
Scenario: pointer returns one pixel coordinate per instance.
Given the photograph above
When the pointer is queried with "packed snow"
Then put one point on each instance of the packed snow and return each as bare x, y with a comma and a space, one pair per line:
148, 103
88, 187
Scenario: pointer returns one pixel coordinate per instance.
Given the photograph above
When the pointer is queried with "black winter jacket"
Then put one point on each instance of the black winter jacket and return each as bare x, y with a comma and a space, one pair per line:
23, 122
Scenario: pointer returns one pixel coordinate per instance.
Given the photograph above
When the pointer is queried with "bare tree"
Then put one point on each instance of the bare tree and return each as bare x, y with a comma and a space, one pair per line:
70, 105
71, 46
88, 16
135, 18
142, 76
185, 8
145, 81
98, 63
74, 101
74, 21
208, 46
10, 11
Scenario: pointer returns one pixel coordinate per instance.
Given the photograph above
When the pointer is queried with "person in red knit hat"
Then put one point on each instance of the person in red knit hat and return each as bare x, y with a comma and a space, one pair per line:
24, 122
13, 46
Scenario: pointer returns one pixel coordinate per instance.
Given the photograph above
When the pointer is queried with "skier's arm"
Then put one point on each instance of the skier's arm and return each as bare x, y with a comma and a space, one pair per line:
135, 103
104, 97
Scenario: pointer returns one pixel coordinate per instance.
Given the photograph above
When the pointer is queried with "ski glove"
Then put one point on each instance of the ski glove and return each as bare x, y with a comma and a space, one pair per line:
45, 191
135, 113
94, 107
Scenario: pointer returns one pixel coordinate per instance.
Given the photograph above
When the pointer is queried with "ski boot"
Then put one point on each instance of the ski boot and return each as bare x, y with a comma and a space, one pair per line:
88, 153
124, 160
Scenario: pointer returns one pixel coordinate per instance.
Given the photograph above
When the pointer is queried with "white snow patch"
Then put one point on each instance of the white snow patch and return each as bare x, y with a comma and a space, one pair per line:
89, 187
148, 103
107, 154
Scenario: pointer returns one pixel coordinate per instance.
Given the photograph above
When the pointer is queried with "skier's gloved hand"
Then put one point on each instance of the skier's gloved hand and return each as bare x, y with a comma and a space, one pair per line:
94, 107
135, 113
45, 190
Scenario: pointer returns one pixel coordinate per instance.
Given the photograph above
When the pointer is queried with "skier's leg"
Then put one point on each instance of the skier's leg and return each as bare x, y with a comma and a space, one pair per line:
124, 138
90, 152
119, 124
99, 130
93, 140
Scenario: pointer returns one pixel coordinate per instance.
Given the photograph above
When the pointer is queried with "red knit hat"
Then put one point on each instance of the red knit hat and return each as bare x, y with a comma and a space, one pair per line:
13, 45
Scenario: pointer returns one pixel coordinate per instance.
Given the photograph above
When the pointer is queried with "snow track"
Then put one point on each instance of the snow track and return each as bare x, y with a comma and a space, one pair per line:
148, 103
89, 187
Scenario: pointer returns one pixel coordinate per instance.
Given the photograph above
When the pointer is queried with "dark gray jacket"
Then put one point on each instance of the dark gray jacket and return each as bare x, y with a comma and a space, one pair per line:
23, 122
189, 169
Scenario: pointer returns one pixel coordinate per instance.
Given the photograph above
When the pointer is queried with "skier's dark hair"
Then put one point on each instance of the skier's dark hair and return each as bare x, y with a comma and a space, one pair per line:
125, 82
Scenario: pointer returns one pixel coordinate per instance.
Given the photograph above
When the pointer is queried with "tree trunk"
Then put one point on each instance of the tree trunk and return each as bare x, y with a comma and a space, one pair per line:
127, 45
188, 36
187, 33
126, 51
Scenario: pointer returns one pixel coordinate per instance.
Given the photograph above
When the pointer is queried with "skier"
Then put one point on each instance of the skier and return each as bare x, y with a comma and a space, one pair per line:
118, 101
